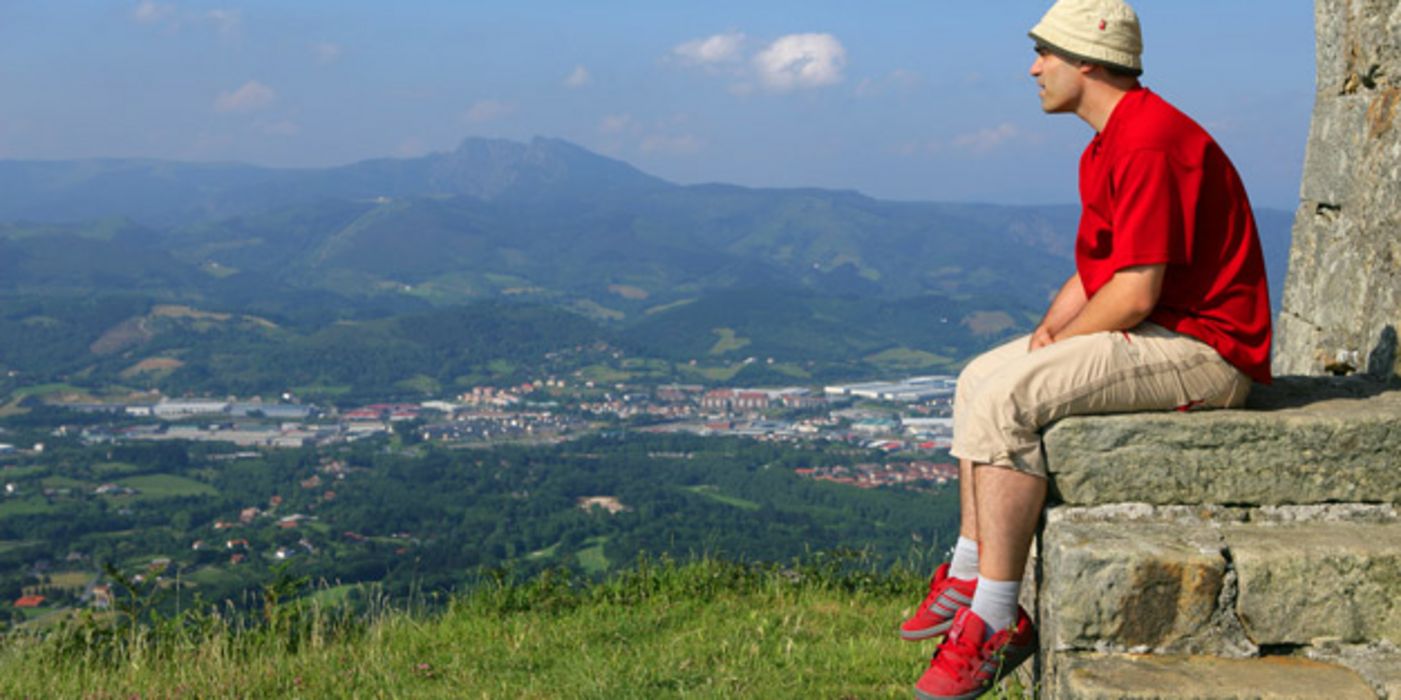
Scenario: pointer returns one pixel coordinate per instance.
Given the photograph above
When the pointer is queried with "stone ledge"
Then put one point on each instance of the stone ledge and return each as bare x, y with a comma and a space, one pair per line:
1111, 677
1379, 664
1216, 586
1290, 450
1299, 582
1139, 587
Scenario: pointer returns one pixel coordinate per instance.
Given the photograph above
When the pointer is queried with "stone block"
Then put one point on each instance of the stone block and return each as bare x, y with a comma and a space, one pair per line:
1137, 587
1336, 133
1302, 581
1379, 664
1095, 677
1335, 450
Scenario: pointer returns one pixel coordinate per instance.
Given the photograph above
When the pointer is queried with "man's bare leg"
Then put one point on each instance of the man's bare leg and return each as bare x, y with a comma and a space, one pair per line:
1008, 508
1009, 505
967, 503
964, 564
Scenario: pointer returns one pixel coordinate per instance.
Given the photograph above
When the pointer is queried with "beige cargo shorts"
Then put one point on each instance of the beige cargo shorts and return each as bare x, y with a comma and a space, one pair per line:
1008, 394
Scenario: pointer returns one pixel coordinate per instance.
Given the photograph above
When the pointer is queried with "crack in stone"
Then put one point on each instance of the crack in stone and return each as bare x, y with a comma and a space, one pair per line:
1226, 618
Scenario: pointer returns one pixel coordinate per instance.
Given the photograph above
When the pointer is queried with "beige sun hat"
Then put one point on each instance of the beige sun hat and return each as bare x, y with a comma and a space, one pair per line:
1101, 31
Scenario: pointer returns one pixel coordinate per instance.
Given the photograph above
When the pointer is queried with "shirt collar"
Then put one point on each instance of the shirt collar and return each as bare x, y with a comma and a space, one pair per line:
1125, 106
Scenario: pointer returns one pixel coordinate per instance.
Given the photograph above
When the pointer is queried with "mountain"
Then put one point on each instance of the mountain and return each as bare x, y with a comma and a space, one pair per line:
823, 281
156, 192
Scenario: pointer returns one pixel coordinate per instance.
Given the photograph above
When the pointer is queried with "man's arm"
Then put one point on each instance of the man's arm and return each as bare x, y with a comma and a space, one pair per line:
1125, 301
1067, 304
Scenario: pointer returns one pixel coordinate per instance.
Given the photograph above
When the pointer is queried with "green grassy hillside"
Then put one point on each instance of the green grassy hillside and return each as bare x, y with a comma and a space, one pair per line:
709, 629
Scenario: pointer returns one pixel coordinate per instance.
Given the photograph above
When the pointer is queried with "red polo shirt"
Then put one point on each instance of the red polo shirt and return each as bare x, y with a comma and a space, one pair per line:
1156, 189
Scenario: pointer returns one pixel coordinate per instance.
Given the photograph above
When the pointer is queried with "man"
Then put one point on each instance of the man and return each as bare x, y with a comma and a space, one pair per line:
1168, 308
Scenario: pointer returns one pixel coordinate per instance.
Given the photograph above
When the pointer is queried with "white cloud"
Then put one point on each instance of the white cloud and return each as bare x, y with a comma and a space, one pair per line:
683, 144
251, 96
483, 111
326, 52
149, 12
800, 61
712, 50
228, 22
578, 78
984, 140
616, 123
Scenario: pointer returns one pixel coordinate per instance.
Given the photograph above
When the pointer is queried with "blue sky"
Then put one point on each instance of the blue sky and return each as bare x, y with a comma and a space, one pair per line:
903, 100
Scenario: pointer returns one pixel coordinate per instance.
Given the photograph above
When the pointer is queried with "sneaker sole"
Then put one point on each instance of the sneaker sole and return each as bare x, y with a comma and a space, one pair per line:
1014, 656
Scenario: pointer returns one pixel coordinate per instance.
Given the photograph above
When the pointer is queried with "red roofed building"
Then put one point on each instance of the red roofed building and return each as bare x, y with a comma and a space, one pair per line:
717, 400
30, 601
751, 401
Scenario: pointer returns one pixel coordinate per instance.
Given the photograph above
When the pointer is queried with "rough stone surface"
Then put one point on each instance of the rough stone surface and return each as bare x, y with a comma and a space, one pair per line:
1091, 676
1206, 514
1342, 299
1140, 587
1298, 582
1379, 664
1335, 450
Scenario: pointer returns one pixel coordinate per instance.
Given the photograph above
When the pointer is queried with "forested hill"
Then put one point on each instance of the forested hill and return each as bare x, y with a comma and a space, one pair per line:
807, 275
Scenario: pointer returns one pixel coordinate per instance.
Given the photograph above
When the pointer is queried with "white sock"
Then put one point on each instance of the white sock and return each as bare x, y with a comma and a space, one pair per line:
965, 559
996, 603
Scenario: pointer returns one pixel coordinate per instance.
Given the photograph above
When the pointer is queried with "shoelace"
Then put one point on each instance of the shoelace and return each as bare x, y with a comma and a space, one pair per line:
958, 655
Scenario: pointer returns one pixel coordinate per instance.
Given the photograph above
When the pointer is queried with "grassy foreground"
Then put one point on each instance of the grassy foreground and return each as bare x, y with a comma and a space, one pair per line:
706, 629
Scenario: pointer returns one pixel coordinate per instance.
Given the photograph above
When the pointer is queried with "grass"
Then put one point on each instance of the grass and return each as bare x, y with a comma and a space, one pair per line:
667, 307
157, 486
328, 390
7, 546
63, 482
707, 629
114, 469
906, 358
603, 374
791, 370
70, 579
727, 341
591, 558
46, 390
14, 507
420, 383
716, 374
714, 494
8, 473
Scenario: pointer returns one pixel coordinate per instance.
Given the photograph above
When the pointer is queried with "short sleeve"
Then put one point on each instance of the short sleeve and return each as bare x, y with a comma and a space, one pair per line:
1148, 211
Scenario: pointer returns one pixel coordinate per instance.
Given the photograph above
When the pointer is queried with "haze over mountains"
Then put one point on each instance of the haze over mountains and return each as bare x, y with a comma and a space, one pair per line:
806, 273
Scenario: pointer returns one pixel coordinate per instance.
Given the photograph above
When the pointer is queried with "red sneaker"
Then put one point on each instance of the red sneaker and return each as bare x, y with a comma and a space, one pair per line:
964, 666
946, 597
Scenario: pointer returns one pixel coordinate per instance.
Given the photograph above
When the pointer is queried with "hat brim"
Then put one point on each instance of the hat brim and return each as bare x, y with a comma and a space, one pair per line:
1062, 51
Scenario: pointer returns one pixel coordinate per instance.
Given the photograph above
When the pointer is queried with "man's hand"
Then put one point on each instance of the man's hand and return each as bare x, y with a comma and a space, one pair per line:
1067, 304
1040, 338
1125, 301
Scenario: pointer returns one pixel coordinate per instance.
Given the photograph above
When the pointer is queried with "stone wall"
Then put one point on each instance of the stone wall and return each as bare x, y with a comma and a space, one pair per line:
1249, 553
1342, 298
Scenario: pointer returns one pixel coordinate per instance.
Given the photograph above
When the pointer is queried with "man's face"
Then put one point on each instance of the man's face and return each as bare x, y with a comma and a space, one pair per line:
1060, 81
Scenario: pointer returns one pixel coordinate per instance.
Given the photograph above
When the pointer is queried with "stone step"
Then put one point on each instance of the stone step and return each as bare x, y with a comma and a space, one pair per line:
1223, 587
1113, 677
1290, 447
